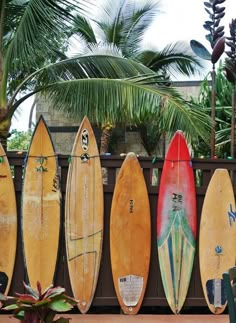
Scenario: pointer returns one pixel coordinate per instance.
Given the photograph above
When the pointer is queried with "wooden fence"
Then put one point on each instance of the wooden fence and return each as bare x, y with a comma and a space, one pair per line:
105, 293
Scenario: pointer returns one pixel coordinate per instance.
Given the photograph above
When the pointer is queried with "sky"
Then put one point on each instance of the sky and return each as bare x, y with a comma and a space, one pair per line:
179, 20
183, 20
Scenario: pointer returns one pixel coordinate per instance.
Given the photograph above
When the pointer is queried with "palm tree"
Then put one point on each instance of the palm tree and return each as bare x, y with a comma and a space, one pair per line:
102, 86
122, 25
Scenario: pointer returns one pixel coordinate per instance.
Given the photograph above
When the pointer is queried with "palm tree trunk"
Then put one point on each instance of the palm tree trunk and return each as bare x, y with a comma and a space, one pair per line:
31, 114
5, 124
213, 103
105, 138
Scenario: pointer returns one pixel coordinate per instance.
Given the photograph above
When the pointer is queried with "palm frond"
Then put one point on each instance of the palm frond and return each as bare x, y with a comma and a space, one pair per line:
84, 29
91, 66
112, 23
110, 10
100, 49
126, 23
192, 120
173, 58
13, 11
87, 66
36, 24
137, 22
127, 100
223, 136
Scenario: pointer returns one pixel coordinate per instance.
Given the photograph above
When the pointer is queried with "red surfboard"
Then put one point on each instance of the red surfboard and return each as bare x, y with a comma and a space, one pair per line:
176, 222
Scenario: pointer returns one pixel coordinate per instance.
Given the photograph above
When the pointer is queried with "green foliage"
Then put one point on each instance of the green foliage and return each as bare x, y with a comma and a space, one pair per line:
40, 305
151, 134
230, 67
223, 92
105, 87
19, 140
123, 25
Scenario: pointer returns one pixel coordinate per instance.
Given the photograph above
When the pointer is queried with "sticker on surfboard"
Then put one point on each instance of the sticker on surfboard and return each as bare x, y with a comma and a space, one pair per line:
215, 292
130, 288
85, 139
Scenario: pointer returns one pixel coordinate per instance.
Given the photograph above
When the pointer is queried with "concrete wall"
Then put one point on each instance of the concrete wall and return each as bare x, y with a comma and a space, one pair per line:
63, 142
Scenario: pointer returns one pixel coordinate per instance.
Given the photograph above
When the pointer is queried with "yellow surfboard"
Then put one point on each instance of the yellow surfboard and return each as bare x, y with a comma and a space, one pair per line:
130, 235
41, 208
8, 223
217, 239
84, 216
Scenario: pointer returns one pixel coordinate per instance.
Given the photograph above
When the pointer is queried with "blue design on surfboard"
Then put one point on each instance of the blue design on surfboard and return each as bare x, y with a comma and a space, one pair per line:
218, 249
232, 215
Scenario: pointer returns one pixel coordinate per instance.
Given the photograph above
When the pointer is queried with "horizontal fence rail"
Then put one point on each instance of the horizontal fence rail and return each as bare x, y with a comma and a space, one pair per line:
105, 293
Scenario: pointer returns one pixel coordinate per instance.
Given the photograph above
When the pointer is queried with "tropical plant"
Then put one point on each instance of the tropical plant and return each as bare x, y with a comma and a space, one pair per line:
223, 111
19, 140
29, 39
230, 68
224, 84
121, 26
39, 306
215, 36
102, 86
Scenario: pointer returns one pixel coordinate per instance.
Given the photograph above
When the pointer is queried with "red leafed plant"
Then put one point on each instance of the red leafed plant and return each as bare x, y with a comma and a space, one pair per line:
40, 307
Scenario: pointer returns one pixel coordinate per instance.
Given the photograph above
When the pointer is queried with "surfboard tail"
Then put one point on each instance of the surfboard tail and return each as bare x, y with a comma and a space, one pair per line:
176, 256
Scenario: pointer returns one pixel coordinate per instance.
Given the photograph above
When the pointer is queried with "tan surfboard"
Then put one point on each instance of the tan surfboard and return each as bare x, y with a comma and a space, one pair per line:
8, 224
41, 208
130, 235
84, 216
217, 239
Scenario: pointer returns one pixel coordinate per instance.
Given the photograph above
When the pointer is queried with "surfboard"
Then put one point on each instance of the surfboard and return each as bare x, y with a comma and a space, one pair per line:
130, 235
176, 222
41, 208
8, 223
84, 216
217, 238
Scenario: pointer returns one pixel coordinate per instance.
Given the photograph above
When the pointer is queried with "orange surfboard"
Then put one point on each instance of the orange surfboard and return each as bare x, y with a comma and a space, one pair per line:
41, 208
217, 238
8, 223
84, 216
130, 235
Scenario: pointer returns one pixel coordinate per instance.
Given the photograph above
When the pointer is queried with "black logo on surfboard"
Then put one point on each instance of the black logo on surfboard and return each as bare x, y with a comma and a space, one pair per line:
85, 139
131, 206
